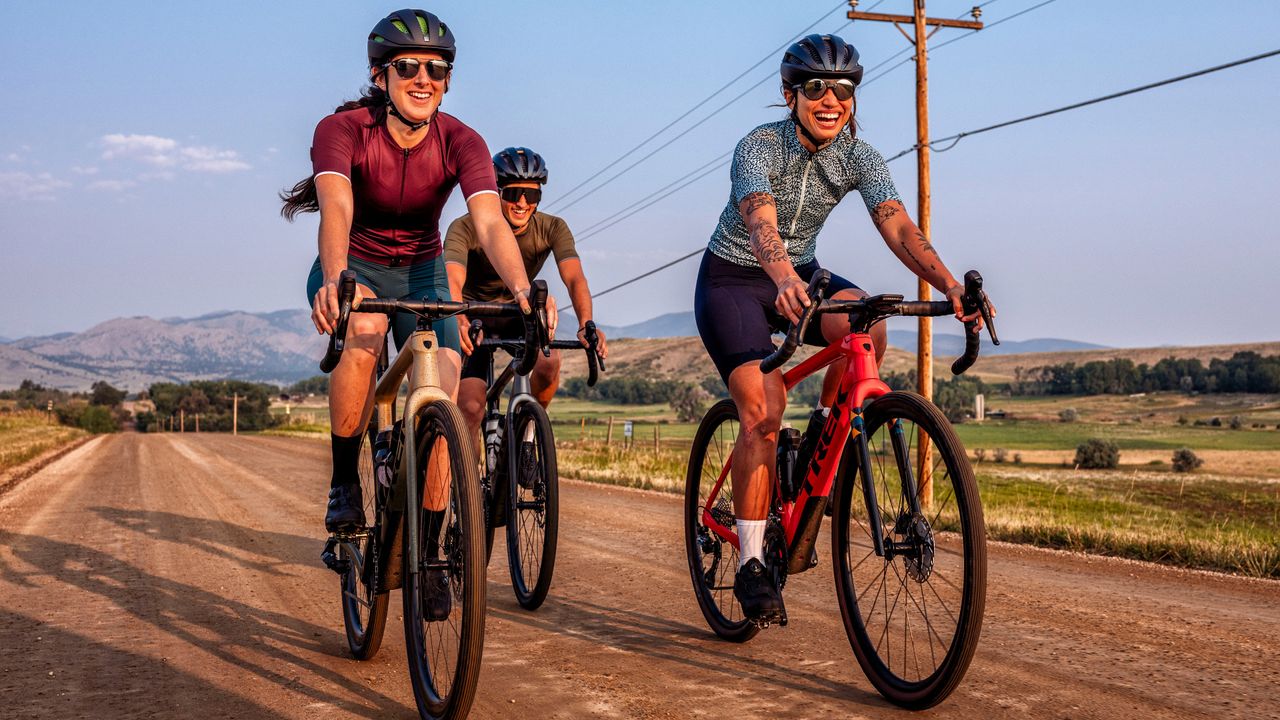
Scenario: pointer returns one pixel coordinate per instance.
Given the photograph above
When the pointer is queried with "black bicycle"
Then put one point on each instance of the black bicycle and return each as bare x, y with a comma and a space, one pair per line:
523, 495
424, 513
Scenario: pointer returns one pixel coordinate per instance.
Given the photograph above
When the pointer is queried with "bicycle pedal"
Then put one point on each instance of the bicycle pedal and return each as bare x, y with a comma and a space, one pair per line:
330, 557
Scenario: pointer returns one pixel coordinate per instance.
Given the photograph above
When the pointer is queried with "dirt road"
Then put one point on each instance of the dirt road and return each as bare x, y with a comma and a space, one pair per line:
177, 576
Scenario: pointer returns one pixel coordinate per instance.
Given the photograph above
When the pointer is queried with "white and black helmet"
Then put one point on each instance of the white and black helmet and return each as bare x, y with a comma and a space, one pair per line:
519, 164
409, 30
820, 56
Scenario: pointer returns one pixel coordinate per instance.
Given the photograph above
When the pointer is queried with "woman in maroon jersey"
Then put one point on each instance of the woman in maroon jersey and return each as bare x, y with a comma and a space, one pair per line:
383, 167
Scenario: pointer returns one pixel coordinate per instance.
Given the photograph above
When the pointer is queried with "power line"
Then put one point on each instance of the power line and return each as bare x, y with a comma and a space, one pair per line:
601, 225
900, 63
704, 101
641, 204
1131, 91
959, 136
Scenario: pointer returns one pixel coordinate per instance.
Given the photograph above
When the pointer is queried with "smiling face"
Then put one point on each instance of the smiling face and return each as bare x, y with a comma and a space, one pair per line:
520, 212
823, 118
416, 98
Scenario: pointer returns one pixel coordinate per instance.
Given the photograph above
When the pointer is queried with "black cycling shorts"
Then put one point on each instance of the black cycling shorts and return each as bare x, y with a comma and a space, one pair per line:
733, 306
476, 365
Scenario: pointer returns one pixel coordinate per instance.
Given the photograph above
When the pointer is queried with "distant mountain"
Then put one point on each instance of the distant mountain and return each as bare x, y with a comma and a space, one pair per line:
682, 325
276, 347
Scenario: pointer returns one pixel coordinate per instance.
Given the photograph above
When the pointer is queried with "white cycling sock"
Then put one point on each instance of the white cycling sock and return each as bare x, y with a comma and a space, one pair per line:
750, 541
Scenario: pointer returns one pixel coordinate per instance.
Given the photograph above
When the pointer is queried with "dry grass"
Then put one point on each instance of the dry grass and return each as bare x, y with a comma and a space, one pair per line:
27, 435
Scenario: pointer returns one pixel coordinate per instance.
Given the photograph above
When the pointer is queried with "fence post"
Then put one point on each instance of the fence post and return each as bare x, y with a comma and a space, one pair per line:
182, 420
608, 438
657, 437
582, 429
197, 422
235, 414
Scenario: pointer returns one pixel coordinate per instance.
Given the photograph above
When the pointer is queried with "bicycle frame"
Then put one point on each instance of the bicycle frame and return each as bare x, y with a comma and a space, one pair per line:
802, 518
417, 361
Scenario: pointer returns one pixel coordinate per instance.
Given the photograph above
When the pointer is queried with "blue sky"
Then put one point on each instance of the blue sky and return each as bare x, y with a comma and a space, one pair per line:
140, 151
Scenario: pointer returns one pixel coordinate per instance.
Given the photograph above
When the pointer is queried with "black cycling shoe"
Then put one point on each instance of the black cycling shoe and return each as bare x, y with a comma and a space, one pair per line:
437, 598
528, 465
346, 509
759, 597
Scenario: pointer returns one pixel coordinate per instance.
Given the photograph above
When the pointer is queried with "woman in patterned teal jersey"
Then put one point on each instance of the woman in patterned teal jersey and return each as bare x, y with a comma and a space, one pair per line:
787, 177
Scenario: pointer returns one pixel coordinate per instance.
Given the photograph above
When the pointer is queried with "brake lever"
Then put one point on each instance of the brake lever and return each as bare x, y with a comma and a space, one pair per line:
474, 330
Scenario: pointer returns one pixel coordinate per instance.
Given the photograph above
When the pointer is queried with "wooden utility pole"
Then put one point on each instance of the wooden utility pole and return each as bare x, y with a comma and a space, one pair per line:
924, 360
197, 422
182, 420
235, 414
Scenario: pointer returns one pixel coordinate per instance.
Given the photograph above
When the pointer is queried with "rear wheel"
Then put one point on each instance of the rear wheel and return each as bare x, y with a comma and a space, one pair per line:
364, 604
533, 516
713, 561
444, 652
913, 617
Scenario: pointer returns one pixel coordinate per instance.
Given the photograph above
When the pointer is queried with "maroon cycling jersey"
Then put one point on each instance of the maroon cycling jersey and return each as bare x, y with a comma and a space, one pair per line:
400, 192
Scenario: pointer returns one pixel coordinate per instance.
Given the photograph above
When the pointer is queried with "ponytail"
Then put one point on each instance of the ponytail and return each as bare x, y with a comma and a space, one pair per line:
302, 198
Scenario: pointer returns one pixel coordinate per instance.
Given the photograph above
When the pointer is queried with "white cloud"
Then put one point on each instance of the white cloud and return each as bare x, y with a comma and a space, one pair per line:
13, 157
86, 170
111, 185
30, 187
167, 153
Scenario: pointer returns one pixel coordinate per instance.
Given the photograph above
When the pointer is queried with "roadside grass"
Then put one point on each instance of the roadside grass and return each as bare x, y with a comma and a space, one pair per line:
25, 435
1185, 520
1190, 522
1042, 435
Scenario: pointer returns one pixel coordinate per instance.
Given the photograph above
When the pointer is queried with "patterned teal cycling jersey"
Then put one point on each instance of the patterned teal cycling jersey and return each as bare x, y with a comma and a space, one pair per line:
806, 187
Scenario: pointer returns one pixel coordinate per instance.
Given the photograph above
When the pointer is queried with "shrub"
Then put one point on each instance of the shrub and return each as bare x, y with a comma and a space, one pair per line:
1216, 422
979, 454
689, 402
98, 419
1000, 455
1182, 419
1068, 415
1184, 460
1236, 422
1097, 454
1017, 458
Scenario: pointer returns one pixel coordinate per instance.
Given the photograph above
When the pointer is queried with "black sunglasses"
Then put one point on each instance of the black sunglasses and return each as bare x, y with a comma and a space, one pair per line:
407, 68
531, 195
815, 88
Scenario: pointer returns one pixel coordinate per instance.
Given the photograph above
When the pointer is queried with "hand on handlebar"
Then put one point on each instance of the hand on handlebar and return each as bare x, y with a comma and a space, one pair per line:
324, 306
955, 294
792, 298
602, 348
553, 316
464, 335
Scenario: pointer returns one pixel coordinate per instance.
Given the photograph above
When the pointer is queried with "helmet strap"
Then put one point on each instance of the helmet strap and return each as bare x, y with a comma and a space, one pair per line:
795, 118
413, 126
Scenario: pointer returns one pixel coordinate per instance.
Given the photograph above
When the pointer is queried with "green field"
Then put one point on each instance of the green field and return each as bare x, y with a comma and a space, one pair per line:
27, 434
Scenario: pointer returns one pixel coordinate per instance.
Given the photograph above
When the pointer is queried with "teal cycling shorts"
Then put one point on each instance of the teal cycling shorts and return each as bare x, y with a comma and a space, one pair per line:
424, 281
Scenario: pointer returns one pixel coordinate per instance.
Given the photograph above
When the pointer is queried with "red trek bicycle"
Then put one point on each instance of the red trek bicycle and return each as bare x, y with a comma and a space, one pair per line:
908, 540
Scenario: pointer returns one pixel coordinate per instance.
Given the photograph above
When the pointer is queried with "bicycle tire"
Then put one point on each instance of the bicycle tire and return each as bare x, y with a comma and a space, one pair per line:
533, 517
364, 605
943, 567
444, 655
713, 585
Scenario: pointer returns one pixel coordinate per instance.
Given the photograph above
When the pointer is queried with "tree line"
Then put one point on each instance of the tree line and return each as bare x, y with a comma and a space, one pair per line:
1245, 371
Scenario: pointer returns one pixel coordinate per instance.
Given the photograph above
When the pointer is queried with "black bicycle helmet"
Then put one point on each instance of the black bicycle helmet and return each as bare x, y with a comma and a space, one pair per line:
519, 164
409, 30
820, 56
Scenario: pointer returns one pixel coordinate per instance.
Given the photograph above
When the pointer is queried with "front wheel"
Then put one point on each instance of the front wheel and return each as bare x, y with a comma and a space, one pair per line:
913, 616
713, 561
444, 601
533, 512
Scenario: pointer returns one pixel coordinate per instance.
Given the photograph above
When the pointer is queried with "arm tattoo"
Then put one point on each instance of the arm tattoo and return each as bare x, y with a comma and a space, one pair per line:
755, 201
767, 244
925, 247
882, 212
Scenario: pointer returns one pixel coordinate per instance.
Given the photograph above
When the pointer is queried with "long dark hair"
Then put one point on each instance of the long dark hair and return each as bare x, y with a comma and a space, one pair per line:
302, 197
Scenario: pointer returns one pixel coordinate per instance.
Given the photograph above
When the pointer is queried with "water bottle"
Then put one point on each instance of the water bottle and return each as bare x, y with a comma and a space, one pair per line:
492, 441
809, 441
382, 458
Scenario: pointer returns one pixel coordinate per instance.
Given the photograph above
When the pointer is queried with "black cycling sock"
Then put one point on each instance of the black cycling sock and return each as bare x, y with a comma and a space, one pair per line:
346, 460
434, 526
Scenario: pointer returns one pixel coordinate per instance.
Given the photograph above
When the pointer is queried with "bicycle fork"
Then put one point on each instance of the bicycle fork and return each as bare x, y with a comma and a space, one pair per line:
902, 460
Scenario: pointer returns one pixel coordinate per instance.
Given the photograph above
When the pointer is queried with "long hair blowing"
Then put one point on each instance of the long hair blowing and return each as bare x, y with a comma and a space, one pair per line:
301, 198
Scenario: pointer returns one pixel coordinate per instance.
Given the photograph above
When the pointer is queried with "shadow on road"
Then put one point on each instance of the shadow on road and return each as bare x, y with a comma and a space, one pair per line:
53, 673
272, 645
678, 643
237, 543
